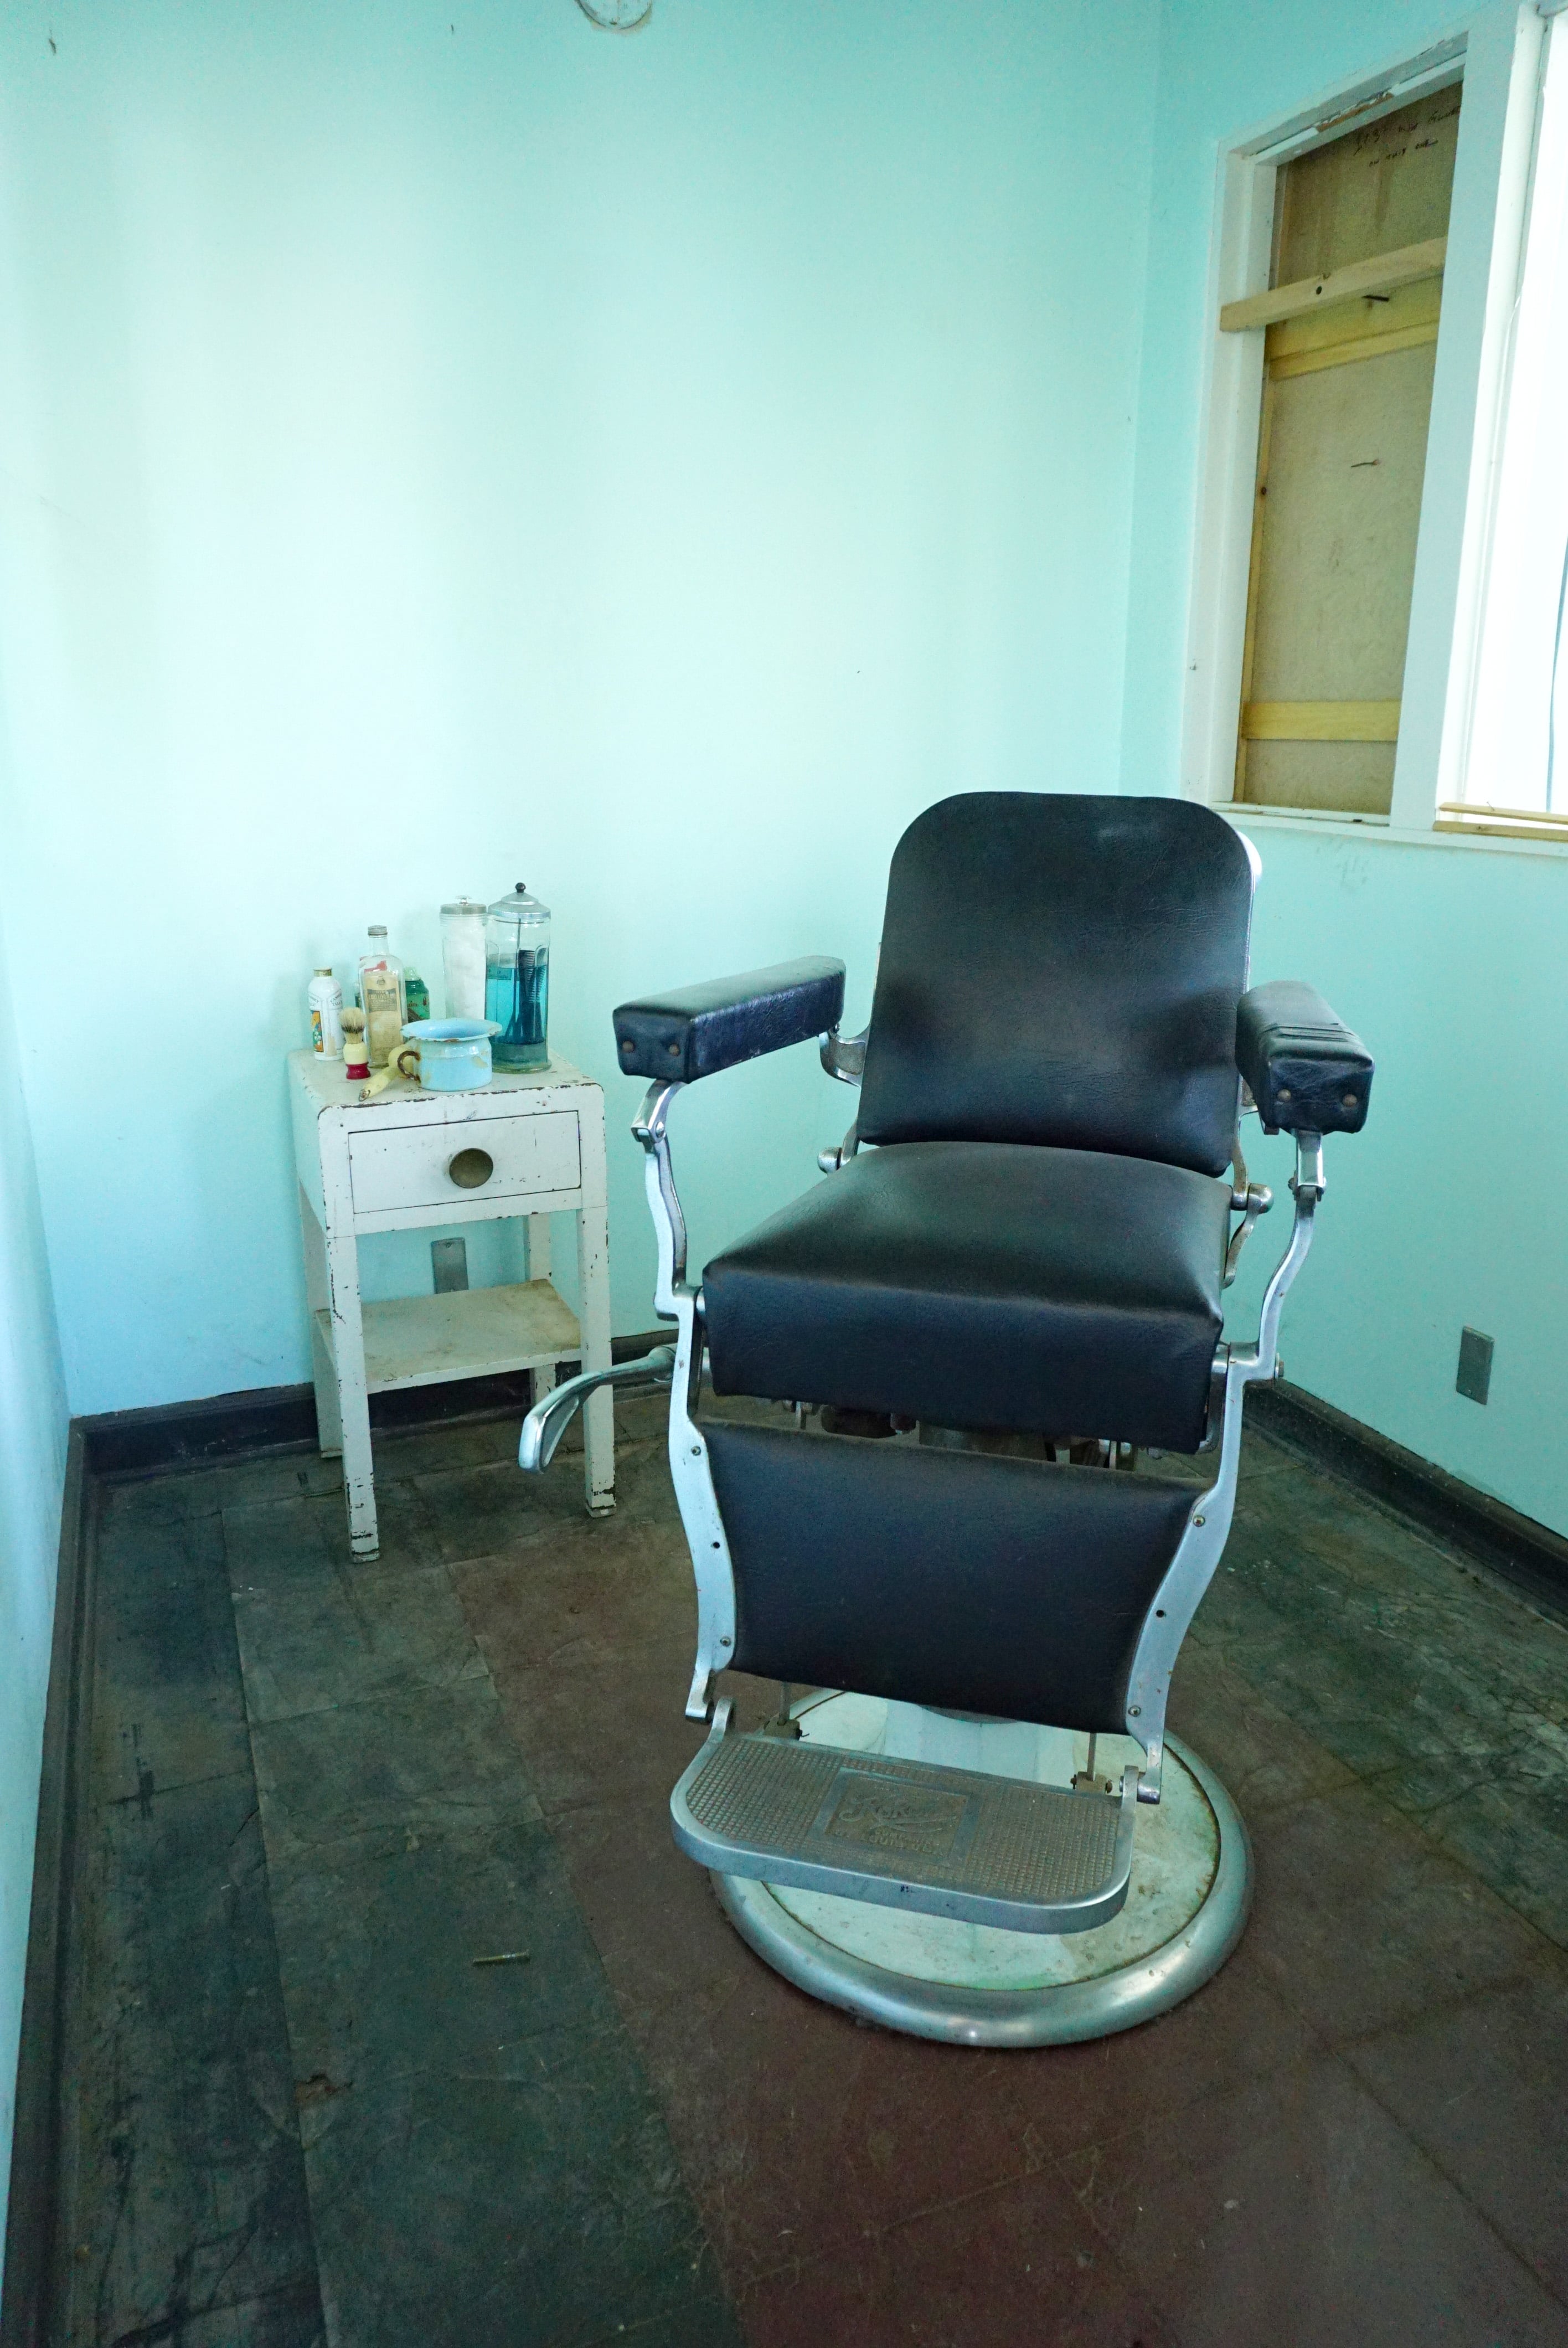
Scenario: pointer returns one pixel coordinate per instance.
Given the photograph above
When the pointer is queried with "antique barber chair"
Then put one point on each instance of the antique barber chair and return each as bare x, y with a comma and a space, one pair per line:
1013, 1270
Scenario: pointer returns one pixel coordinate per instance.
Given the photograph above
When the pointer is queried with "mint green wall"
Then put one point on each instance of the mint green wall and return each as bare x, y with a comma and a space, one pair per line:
441, 445
1445, 1210
1449, 958
441, 448
32, 1472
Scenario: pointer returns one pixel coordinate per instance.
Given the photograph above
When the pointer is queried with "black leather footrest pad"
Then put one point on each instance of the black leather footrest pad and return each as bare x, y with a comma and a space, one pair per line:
1001, 1586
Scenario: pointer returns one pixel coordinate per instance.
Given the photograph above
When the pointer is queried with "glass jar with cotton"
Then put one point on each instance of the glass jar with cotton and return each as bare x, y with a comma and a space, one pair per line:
463, 957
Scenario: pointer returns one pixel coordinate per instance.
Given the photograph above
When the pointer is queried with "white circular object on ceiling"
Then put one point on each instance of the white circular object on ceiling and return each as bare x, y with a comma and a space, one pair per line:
617, 16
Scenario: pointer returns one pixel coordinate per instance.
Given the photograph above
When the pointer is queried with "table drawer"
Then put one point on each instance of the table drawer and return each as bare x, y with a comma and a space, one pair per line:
431, 1165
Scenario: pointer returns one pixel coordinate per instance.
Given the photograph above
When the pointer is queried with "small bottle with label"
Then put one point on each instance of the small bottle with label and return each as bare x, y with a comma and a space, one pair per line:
381, 999
417, 995
324, 996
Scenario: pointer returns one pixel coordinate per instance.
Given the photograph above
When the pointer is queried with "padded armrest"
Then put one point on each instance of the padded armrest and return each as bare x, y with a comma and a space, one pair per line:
695, 1031
1306, 1071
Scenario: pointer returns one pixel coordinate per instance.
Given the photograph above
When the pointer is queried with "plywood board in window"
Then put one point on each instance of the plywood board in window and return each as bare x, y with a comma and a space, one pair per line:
1341, 465
1342, 501
1371, 191
1353, 777
1340, 508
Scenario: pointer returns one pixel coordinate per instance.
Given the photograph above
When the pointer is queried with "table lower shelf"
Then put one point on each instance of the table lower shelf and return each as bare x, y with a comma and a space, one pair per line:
468, 1332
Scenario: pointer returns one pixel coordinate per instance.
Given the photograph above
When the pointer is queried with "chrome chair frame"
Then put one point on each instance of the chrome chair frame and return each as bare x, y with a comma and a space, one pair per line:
677, 1300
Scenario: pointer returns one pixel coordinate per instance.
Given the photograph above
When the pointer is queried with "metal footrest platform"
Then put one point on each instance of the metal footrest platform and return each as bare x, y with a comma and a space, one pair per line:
906, 1833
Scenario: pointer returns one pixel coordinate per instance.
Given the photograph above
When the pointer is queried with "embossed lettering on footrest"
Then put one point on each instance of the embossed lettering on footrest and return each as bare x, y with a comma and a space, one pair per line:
906, 1833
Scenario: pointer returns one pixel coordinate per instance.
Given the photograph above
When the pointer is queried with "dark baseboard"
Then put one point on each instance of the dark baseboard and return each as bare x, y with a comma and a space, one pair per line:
34, 2252
282, 1418
1530, 1555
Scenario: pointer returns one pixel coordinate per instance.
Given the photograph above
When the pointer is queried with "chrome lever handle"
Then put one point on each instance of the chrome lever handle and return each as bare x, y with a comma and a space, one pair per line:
1256, 1200
843, 1056
548, 1420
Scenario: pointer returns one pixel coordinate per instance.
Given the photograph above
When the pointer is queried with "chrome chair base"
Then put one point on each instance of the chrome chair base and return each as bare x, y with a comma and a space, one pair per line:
978, 1986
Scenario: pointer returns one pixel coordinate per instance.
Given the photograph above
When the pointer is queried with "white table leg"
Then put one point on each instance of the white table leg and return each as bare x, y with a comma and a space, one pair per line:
318, 1296
593, 1317
544, 1377
354, 1401
329, 1417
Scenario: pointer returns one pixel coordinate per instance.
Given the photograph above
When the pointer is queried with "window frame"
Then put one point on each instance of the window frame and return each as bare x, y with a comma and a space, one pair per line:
1536, 339
1496, 52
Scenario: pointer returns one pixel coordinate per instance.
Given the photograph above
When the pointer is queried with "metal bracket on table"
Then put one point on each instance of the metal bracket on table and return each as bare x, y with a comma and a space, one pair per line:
1200, 1549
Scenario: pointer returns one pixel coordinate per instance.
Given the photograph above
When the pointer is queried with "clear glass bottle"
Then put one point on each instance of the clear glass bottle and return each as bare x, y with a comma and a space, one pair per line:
517, 979
381, 999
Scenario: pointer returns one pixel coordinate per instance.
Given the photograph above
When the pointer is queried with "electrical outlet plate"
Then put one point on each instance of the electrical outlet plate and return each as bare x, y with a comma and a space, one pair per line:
1474, 1379
449, 1265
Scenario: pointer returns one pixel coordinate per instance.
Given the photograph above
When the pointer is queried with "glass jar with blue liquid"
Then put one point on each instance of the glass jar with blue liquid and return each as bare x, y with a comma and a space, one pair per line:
517, 979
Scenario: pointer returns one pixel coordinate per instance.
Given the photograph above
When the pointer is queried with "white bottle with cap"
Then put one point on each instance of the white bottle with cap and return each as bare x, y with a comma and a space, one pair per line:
324, 996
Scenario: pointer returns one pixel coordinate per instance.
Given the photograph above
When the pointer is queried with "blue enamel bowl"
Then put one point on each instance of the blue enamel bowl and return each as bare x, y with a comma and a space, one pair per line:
453, 1054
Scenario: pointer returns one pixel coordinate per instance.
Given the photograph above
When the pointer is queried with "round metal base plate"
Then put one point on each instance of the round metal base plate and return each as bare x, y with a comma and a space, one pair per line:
973, 1986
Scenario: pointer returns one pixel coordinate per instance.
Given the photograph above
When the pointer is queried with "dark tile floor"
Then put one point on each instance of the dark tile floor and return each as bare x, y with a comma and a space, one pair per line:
302, 2110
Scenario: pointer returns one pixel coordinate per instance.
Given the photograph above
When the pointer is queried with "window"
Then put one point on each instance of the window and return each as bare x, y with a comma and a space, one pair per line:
1361, 507
1516, 764
1351, 319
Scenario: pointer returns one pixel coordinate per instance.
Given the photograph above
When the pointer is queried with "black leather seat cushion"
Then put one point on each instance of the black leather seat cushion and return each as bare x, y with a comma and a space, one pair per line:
984, 1284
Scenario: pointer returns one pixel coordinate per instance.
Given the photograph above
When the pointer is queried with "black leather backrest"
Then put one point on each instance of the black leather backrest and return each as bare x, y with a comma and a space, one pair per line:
1063, 970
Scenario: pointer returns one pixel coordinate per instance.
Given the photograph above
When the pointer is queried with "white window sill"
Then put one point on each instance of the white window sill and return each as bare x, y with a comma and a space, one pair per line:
1378, 827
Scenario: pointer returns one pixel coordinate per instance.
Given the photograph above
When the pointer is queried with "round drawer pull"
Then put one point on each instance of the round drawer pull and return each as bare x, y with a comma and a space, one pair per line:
471, 1168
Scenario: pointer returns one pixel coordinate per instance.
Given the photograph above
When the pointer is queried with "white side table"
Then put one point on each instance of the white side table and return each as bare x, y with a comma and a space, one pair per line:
528, 1146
